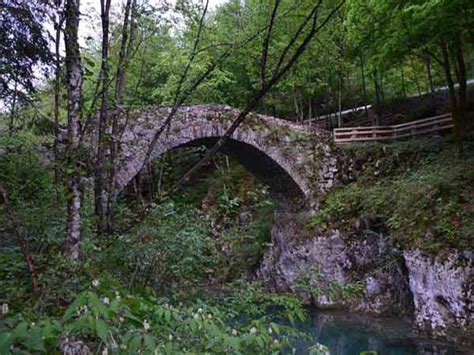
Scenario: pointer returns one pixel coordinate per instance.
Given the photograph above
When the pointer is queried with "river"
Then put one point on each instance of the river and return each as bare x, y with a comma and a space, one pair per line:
352, 334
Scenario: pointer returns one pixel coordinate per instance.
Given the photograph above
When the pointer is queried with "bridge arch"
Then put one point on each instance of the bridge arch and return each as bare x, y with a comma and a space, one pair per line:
291, 159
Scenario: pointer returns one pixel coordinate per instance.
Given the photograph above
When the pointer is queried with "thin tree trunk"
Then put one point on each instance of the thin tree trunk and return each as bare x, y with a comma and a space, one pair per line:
404, 91
99, 193
310, 109
452, 97
427, 61
340, 78
22, 240
74, 78
339, 101
13, 110
118, 96
364, 85
295, 103
382, 87
462, 79
417, 82
378, 100
57, 87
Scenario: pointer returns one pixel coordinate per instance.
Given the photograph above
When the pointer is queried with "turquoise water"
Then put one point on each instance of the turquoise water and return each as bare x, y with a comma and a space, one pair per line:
351, 334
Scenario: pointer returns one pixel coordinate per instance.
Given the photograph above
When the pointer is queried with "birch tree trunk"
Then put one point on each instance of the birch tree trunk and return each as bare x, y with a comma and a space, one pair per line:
74, 79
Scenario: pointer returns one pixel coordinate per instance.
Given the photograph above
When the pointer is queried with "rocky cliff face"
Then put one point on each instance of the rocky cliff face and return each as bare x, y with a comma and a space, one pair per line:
361, 272
335, 270
443, 290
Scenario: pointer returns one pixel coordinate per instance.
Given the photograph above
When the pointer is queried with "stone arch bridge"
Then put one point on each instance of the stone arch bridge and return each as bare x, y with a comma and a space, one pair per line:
291, 159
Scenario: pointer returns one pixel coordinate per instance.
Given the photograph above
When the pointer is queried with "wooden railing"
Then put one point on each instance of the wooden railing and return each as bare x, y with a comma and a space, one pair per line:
380, 133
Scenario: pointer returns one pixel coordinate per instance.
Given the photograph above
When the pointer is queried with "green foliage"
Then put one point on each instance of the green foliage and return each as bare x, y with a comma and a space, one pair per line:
426, 203
210, 234
319, 349
172, 247
314, 282
116, 299
130, 324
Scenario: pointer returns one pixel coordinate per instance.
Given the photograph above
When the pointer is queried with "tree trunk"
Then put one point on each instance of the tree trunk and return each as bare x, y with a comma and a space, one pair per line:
118, 96
57, 87
310, 109
74, 78
404, 91
417, 83
99, 192
339, 101
452, 97
364, 85
378, 100
295, 103
13, 110
427, 60
382, 87
22, 240
462, 79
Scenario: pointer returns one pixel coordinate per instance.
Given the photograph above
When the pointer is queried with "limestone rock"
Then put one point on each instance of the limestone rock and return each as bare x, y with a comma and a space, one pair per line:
443, 290
335, 270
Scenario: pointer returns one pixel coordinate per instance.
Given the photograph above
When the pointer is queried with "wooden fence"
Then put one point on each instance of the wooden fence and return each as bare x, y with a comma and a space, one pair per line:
380, 133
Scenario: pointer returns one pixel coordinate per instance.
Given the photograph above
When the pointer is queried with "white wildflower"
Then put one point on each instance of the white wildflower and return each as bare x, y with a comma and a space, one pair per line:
123, 346
196, 316
106, 300
270, 331
95, 283
5, 308
199, 310
276, 342
146, 325
33, 324
209, 316
253, 331
105, 351
170, 337
121, 319
234, 332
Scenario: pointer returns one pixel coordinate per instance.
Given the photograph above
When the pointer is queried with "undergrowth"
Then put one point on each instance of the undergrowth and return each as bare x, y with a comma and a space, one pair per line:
418, 190
171, 282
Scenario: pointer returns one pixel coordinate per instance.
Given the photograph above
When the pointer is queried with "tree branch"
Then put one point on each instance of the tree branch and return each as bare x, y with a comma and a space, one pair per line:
266, 42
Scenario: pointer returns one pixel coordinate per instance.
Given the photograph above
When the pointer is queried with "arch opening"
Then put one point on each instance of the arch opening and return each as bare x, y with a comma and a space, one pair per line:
259, 164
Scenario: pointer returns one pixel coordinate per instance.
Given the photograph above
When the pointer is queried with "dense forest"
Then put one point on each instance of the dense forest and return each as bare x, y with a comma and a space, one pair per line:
196, 253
